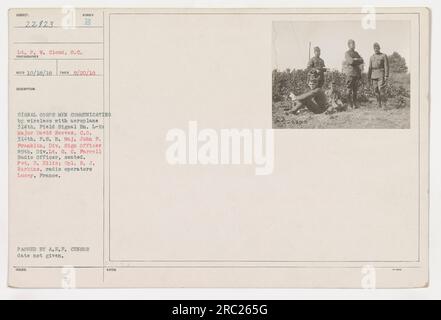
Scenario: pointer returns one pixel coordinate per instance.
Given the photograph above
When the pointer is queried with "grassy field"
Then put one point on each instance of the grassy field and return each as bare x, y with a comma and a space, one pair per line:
396, 114
367, 116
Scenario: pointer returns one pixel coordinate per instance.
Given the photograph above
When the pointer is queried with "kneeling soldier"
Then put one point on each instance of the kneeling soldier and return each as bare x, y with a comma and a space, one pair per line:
315, 99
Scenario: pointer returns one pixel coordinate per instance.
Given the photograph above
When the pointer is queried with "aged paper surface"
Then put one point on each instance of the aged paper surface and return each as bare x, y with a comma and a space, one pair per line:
219, 148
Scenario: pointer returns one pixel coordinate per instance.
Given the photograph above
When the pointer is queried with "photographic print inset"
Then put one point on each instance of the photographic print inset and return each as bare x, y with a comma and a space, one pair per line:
338, 74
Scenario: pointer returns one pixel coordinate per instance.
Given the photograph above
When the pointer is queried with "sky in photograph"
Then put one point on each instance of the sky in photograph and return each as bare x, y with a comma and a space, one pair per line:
291, 41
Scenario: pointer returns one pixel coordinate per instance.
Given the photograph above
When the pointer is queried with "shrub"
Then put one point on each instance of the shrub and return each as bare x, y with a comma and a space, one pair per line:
295, 81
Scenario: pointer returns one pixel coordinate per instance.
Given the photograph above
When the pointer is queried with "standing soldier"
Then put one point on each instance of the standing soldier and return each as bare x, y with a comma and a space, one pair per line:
378, 73
316, 66
353, 62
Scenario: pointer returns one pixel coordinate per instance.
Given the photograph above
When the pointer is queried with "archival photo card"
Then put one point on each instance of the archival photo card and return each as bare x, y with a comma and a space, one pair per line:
167, 147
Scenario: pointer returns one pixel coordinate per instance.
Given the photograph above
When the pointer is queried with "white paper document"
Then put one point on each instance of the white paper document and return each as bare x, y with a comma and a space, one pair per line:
218, 147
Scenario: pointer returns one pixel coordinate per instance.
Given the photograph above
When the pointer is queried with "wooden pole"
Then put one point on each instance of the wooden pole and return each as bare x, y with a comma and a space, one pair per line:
309, 53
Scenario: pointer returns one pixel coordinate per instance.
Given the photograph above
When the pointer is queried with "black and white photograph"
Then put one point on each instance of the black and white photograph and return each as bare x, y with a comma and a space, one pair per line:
341, 74
220, 159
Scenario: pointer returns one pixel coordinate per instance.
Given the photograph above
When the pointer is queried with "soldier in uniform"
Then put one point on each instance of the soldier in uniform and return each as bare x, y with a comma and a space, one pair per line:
314, 100
317, 65
378, 73
353, 62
